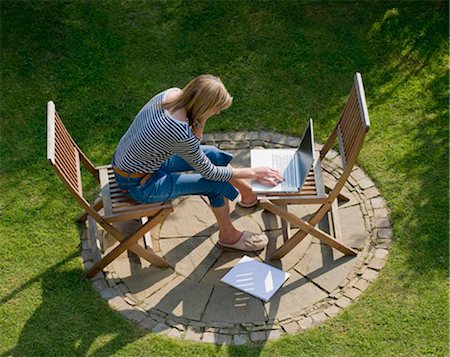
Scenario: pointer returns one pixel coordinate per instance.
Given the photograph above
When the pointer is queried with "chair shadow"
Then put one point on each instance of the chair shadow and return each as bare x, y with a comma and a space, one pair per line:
64, 320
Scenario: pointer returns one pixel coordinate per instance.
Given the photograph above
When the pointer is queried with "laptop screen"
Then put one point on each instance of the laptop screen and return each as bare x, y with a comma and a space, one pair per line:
306, 149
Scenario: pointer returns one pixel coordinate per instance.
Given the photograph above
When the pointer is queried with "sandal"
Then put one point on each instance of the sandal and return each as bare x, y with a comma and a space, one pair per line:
247, 205
248, 242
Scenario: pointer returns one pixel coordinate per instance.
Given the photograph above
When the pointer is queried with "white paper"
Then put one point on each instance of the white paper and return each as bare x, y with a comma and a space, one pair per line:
255, 278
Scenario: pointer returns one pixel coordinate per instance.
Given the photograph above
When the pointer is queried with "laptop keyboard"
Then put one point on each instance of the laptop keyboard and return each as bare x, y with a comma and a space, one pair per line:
286, 165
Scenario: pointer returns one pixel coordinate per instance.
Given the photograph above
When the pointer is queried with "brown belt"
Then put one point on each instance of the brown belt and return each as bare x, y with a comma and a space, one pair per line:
126, 174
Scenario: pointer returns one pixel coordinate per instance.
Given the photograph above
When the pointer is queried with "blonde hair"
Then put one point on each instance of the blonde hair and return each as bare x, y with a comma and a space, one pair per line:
199, 97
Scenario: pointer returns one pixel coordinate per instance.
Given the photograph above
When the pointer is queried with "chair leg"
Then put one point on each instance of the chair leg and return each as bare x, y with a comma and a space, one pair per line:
129, 243
335, 221
285, 225
304, 229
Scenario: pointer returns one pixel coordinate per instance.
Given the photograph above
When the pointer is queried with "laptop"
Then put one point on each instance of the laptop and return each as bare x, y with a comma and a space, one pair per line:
293, 164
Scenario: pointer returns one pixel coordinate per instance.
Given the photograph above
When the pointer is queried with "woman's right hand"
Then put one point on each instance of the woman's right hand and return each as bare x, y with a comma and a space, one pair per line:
267, 176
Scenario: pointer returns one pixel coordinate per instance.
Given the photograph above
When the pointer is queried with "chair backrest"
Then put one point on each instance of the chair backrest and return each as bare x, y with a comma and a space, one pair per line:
65, 156
350, 130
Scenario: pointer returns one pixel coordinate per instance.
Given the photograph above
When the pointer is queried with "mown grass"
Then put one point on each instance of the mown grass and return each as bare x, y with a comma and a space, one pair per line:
283, 62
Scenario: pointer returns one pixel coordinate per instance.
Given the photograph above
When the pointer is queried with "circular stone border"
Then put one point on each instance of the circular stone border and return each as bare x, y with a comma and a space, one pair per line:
371, 259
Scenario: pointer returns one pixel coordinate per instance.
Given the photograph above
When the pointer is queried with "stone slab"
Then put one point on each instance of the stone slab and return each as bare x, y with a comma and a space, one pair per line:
181, 297
231, 305
145, 283
352, 227
226, 261
191, 257
287, 262
326, 266
241, 158
296, 294
191, 217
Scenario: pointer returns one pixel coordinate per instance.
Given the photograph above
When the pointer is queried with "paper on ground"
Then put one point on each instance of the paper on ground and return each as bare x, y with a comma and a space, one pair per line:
255, 278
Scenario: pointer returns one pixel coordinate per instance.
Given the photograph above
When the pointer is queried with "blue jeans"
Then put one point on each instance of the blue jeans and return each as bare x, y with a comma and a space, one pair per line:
167, 183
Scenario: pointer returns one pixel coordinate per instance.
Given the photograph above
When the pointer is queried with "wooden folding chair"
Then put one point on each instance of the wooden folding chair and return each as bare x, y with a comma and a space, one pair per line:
350, 131
66, 158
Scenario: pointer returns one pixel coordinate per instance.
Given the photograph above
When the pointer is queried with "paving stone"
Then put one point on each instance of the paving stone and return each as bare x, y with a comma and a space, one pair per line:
99, 285
381, 253
192, 257
211, 337
193, 335
332, 311
224, 263
319, 317
382, 222
230, 330
181, 297
223, 136
251, 135
240, 340
384, 243
231, 305
331, 154
381, 212
170, 321
378, 202
371, 192
222, 339
197, 324
296, 294
174, 333
358, 174
278, 139
365, 183
353, 293
109, 293
343, 302
159, 328
207, 138
148, 281
362, 284
306, 323
274, 334
191, 217
266, 220
384, 233
291, 327
377, 263
370, 275
352, 227
148, 323
119, 304
258, 336
326, 266
287, 262
241, 158
134, 315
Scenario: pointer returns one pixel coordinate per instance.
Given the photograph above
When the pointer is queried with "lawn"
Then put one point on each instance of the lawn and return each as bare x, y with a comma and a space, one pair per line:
283, 62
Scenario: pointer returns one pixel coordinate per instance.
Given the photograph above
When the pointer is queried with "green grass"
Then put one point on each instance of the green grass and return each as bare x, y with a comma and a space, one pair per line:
283, 62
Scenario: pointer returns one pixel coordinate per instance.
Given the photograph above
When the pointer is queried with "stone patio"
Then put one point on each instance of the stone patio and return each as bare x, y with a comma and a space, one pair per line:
189, 302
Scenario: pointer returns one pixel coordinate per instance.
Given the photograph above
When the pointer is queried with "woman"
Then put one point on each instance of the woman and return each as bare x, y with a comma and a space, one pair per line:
164, 141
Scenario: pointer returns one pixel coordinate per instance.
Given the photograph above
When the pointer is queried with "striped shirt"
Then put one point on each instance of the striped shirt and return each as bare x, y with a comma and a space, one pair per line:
154, 136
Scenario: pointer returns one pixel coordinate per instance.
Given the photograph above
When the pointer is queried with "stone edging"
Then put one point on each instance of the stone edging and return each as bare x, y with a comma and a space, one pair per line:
372, 259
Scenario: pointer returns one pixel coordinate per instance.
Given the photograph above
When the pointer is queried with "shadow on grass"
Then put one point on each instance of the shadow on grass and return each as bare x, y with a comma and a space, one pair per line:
63, 325
412, 43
